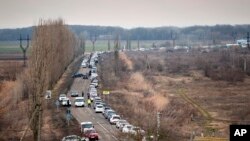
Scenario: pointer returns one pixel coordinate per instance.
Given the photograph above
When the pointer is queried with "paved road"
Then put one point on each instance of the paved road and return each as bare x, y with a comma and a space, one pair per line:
106, 131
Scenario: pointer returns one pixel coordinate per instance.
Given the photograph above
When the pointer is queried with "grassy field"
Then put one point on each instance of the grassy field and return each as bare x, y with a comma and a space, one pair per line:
9, 47
100, 45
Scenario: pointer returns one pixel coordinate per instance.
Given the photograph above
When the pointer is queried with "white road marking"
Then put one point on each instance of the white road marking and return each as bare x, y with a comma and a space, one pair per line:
107, 131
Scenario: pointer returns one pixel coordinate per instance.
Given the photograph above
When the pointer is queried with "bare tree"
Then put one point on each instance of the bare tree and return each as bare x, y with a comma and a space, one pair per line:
93, 40
83, 44
108, 44
52, 50
173, 37
116, 54
138, 44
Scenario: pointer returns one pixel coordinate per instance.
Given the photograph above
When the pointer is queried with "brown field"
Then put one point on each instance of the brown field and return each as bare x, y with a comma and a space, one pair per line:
9, 69
175, 85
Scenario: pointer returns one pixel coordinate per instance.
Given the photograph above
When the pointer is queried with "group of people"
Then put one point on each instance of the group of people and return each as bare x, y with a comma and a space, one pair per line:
89, 100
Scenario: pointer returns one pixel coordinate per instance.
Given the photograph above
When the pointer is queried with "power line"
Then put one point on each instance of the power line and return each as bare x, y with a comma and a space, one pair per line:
24, 49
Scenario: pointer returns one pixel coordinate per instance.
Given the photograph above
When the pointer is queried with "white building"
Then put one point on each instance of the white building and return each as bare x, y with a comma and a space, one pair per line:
242, 42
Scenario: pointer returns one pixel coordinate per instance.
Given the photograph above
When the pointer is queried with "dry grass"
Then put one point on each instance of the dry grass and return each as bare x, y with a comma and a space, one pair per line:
137, 82
180, 71
160, 102
9, 70
124, 58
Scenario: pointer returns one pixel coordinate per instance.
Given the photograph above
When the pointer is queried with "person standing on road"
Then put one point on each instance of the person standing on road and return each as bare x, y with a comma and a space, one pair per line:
88, 95
89, 103
82, 94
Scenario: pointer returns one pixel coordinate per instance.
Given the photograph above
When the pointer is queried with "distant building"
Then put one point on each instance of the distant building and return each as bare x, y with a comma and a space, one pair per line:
242, 42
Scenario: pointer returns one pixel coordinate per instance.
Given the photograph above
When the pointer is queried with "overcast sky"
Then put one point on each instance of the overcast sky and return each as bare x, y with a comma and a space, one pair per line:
125, 13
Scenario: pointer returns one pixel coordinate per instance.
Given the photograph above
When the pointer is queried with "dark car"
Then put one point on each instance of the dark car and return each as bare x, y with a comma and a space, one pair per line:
85, 76
76, 75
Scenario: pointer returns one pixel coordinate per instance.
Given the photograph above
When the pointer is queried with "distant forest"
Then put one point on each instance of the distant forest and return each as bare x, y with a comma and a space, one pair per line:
195, 33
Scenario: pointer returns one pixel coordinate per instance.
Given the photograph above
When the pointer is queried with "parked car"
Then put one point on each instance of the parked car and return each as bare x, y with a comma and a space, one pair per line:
93, 70
122, 125
94, 80
99, 108
84, 64
85, 76
127, 128
93, 76
95, 104
106, 108
95, 84
62, 96
79, 102
120, 122
76, 75
91, 86
107, 112
84, 126
74, 138
114, 119
137, 131
110, 114
74, 94
66, 102
91, 134
97, 98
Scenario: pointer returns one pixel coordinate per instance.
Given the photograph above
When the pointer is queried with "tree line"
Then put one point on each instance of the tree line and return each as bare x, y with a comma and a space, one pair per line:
219, 32
53, 48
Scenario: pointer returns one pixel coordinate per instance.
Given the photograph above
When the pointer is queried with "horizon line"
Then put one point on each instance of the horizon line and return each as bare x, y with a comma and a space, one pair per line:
134, 27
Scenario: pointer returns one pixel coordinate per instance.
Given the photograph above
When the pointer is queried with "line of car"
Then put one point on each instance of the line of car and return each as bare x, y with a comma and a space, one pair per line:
98, 105
111, 115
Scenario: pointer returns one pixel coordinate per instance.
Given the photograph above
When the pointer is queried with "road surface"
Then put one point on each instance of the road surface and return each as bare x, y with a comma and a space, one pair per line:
106, 131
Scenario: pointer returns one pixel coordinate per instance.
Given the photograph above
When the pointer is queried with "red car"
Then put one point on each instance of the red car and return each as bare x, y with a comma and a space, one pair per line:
91, 134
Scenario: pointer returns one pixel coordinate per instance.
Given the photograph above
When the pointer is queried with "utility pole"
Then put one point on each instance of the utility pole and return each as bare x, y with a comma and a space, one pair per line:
93, 40
108, 44
173, 37
234, 35
24, 49
138, 44
82, 44
248, 36
158, 124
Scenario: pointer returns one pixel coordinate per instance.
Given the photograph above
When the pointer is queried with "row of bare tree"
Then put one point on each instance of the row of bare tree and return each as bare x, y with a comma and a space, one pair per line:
53, 48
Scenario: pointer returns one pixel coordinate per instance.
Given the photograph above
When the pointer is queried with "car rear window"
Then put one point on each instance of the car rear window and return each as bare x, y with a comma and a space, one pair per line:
87, 125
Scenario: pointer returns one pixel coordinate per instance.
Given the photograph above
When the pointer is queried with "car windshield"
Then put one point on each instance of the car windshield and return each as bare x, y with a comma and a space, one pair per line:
122, 121
129, 127
87, 125
62, 95
99, 106
116, 118
79, 100
111, 112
